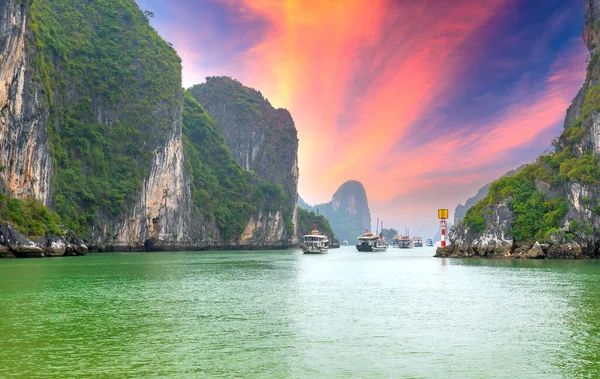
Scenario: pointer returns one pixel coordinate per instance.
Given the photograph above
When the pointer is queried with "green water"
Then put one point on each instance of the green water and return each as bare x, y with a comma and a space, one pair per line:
347, 314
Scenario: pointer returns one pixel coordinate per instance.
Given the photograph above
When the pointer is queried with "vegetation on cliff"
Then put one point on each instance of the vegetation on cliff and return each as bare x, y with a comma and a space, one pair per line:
109, 78
538, 213
113, 88
220, 187
247, 106
29, 217
539, 196
306, 220
261, 139
461, 210
535, 214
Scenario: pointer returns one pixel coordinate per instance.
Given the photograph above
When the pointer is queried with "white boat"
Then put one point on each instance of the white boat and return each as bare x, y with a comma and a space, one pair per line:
417, 242
371, 242
315, 243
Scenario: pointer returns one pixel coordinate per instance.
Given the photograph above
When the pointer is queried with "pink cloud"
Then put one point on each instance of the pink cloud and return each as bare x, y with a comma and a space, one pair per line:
382, 66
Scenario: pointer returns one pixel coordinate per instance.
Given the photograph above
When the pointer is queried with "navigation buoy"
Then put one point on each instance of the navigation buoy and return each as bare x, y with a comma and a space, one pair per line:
443, 216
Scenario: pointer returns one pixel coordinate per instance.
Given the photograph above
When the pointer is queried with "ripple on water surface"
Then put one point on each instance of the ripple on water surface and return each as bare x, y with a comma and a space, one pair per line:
399, 313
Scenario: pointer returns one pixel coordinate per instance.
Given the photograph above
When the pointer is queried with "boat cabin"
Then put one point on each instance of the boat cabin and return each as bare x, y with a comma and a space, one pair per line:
367, 239
405, 242
318, 240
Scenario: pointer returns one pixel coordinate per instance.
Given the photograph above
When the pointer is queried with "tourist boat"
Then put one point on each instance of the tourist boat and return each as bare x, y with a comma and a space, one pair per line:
429, 242
396, 241
315, 242
405, 242
417, 242
371, 242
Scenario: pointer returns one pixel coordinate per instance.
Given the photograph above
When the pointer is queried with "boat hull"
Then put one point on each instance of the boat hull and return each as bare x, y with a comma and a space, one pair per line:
369, 248
314, 250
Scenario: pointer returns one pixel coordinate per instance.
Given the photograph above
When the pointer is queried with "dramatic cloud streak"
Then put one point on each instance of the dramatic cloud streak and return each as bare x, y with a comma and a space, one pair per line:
422, 101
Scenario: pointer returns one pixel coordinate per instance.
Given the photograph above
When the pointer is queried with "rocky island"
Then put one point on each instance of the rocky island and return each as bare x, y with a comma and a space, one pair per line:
551, 208
348, 211
97, 135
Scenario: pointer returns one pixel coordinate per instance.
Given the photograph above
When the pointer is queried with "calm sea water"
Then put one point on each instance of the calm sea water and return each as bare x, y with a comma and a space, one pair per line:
347, 314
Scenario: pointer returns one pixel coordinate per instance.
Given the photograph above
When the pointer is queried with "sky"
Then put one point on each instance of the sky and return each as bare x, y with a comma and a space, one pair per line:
423, 101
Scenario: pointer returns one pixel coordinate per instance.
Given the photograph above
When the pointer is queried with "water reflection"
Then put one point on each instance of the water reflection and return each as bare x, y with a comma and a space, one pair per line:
577, 283
582, 358
559, 264
285, 314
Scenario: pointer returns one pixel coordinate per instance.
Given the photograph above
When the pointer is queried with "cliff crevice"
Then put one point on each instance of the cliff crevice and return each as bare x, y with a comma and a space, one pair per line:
26, 166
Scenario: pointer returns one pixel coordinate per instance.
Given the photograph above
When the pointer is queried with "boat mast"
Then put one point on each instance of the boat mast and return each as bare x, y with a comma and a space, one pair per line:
377, 227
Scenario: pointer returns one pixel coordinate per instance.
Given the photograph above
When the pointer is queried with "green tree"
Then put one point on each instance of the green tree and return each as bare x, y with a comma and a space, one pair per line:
306, 220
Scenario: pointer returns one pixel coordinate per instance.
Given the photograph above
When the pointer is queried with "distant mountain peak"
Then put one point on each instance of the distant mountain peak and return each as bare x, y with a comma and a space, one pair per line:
350, 196
348, 211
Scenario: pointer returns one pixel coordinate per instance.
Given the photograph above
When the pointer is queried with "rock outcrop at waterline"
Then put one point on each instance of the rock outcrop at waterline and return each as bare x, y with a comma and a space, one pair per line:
551, 209
568, 250
15, 245
91, 121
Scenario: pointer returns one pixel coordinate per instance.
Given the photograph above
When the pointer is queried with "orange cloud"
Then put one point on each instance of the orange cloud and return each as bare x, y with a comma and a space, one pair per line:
361, 78
476, 156
305, 64
315, 52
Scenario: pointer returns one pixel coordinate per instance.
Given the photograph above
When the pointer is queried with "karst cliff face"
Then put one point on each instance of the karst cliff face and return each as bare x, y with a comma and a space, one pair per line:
115, 140
91, 120
159, 215
261, 138
24, 146
554, 201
